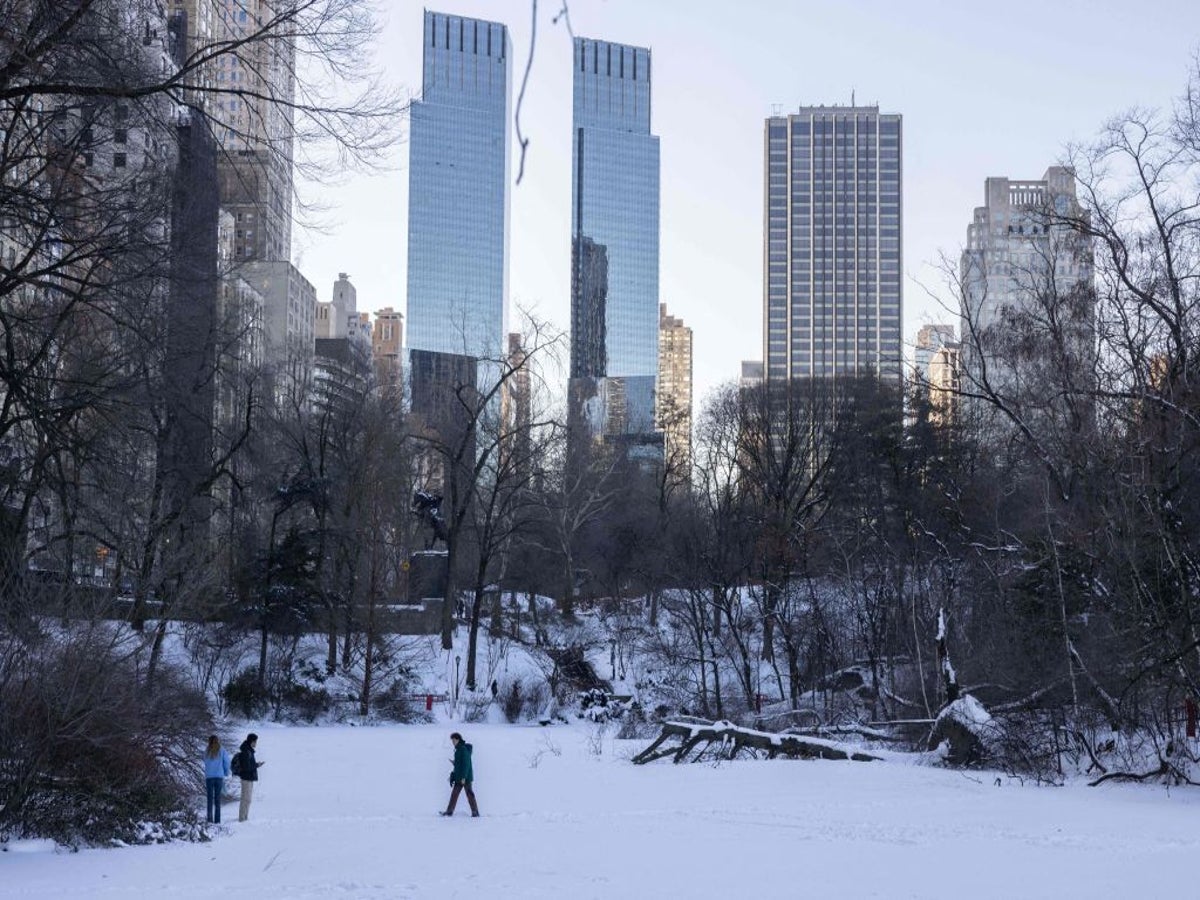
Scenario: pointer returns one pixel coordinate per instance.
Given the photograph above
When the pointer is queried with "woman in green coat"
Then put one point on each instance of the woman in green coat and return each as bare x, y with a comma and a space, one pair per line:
462, 776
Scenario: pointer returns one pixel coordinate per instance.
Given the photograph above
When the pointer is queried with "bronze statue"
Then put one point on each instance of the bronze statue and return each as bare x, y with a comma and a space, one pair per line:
428, 509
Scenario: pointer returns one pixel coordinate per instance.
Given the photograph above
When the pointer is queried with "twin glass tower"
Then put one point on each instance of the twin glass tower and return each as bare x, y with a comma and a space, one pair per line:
459, 170
458, 245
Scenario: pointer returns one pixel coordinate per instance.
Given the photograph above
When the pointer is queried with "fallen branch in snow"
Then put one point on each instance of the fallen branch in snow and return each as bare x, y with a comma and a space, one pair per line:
732, 739
1165, 769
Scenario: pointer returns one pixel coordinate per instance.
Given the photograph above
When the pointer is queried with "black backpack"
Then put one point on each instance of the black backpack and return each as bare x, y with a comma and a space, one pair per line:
235, 765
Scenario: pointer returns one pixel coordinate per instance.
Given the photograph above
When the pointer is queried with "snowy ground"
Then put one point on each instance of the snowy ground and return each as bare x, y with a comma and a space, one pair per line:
351, 812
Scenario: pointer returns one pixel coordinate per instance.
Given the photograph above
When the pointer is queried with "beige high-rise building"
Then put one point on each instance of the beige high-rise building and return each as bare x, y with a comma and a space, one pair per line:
937, 359
945, 382
339, 317
249, 102
387, 339
518, 402
674, 401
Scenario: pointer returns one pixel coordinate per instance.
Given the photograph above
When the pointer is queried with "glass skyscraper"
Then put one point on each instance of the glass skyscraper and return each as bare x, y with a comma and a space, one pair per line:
832, 229
614, 241
458, 190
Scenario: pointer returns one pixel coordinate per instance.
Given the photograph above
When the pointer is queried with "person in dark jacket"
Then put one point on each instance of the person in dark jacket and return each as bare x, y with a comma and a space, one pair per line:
462, 776
248, 766
216, 770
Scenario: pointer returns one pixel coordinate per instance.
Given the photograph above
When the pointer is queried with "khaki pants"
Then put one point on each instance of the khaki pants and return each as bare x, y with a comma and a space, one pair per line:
247, 796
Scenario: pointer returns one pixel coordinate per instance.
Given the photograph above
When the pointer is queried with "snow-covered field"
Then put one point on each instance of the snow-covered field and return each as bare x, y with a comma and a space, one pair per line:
351, 812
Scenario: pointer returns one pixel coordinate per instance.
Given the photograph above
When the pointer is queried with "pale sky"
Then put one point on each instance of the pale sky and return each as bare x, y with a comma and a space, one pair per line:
985, 89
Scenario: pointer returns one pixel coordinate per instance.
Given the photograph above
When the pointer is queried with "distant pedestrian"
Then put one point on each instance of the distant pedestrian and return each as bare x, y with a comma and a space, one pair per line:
462, 776
495, 689
247, 770
216, 770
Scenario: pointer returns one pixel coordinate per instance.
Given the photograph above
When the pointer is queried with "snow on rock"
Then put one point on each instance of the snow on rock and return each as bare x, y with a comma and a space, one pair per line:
968, 730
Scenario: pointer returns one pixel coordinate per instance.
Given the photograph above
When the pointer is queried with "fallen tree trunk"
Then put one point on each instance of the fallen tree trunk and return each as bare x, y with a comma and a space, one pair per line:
681, 740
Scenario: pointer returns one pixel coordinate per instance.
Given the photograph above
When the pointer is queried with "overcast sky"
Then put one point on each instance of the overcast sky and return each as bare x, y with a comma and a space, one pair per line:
985, 89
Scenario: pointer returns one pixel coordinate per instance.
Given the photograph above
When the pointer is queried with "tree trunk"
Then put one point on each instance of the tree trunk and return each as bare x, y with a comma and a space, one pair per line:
771, 598
949, 676
262, 657
568, 601
473, 638
496, 623
332, 647
364, 700
160, 633
348, 636
451, 594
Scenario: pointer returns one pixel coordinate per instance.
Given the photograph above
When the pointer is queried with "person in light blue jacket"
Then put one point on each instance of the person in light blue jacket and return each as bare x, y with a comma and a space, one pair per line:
216, 770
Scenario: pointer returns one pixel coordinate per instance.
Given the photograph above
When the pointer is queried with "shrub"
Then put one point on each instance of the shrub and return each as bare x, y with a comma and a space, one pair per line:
598, 705
523, 700
92, 755
244, 696
514, 701
307, 703
395, 704
635, 725
475, 707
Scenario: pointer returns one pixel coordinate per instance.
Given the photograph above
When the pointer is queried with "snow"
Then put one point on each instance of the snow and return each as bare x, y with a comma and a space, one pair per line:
351, 812
969, 713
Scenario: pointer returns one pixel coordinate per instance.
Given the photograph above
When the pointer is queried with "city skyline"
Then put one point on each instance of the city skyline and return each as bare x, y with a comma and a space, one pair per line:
970, 113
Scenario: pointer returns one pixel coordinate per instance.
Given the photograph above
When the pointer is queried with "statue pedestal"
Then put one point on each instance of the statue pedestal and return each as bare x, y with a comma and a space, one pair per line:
427, 570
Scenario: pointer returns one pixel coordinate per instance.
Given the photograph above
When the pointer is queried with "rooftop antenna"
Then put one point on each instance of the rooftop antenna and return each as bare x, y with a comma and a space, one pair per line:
851, 96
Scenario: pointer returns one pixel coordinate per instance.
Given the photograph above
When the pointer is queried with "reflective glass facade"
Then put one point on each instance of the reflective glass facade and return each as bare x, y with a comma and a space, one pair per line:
614, 222
832, 229
458, 190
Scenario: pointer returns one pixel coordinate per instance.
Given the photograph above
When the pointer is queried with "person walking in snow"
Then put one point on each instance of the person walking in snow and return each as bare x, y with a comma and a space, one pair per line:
247, 770
462, 776
216, 770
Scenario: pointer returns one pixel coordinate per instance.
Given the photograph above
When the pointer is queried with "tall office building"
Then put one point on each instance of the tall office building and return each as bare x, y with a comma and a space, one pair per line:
458, 191
248, 91
614, 244
1023, 265
289, 319
832, 236
675, 388
193, 305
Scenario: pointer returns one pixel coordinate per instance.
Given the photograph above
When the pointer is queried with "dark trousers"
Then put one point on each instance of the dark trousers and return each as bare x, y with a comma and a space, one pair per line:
214, 787
458, 786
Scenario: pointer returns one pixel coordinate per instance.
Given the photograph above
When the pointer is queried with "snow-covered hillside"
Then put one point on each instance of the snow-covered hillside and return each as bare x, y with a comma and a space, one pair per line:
351, 812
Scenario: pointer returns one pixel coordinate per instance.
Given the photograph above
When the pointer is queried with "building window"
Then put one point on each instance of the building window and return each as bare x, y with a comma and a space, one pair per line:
118, 160
119, 135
